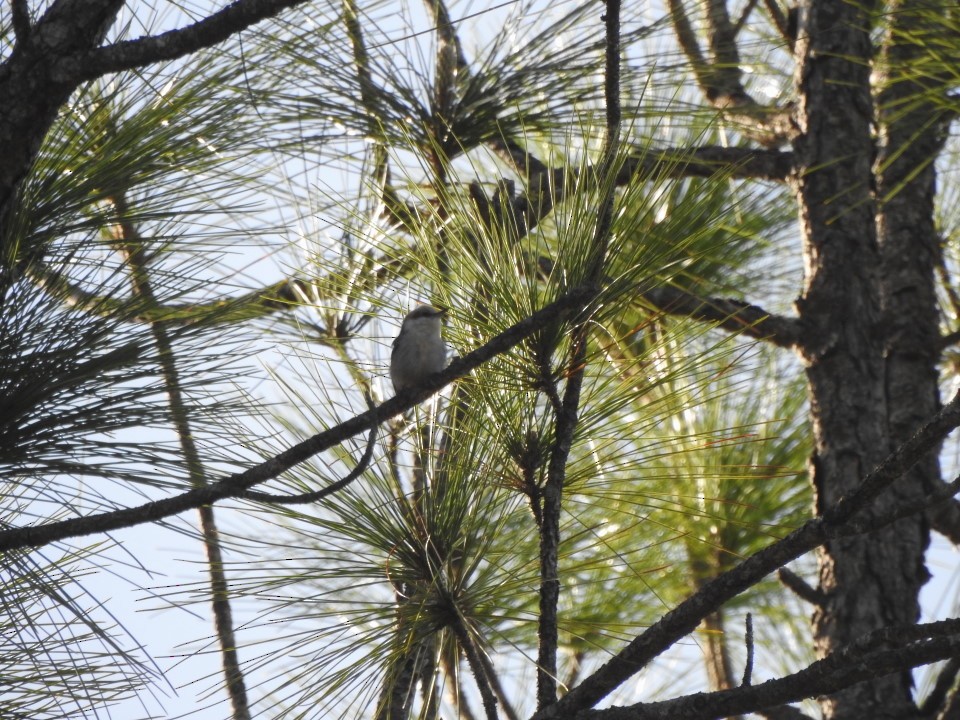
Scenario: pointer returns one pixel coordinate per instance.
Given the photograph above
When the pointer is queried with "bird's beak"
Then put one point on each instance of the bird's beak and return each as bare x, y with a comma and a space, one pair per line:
442, 311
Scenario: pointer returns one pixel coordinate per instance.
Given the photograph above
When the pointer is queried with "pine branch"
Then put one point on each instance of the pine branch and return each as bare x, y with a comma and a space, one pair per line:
257, 303
733, 315
710, 160
170, 45
839, 670
236, 484
719, 77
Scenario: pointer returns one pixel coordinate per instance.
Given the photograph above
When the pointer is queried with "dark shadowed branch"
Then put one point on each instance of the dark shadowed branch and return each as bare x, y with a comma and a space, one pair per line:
899, 648
947, 678
566, 417
800, 587
20, 17
733, 315
170, 45
748, 641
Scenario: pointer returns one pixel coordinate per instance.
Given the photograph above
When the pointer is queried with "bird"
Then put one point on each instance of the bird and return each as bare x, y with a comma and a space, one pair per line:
418, 351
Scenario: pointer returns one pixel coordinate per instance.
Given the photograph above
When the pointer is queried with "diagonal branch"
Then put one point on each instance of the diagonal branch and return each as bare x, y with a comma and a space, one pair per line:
839, 670
733, 315
684, 618
170, 45
234, 485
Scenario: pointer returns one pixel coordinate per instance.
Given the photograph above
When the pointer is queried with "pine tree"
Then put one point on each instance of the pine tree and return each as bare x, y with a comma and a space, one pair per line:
698, 264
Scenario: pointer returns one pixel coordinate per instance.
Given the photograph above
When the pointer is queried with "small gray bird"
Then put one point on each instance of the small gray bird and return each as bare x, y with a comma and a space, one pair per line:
418, 351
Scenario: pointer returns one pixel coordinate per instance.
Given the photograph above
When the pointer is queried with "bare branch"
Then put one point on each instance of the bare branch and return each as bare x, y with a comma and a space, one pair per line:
238, 483
781, 21
800, 587
719, 77
170, 45
710, 160
748, 641
497, 686
733, 315
127, 239
835, 672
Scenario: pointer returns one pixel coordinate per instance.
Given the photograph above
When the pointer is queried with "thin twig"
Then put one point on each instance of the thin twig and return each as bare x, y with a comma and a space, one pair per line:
748, 641
315, 495
780, 20
741, 21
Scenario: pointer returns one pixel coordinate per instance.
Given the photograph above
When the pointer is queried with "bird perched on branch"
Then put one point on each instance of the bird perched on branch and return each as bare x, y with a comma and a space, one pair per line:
418, 351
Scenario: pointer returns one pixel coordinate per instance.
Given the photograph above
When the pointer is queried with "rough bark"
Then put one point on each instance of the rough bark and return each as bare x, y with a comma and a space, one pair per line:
911, 135
871, 581
30, 95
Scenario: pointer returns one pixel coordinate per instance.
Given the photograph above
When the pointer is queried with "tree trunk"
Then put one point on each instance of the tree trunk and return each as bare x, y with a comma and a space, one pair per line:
870, 326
